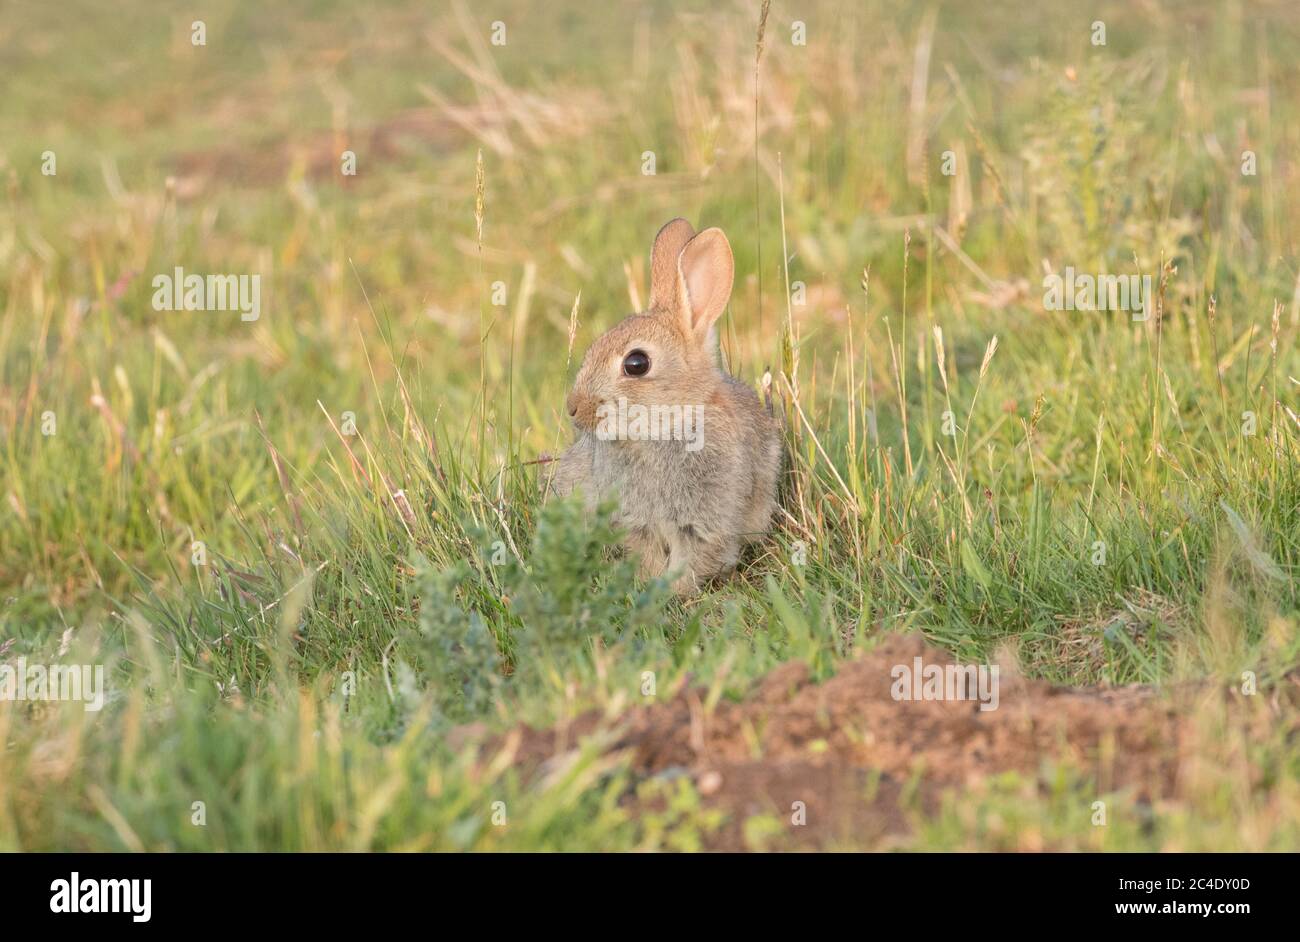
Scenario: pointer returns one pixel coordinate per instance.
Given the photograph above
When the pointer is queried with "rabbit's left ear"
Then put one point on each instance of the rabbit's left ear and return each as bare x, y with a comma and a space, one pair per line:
665, 286
706, 269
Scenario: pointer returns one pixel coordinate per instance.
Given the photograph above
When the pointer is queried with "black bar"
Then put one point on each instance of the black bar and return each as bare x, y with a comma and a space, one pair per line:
336, 891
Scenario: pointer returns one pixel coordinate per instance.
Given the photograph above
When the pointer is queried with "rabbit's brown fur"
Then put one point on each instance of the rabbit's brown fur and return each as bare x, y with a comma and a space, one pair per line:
686, 512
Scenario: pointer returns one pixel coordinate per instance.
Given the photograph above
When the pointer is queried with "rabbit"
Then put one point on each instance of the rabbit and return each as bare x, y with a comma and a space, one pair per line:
691, 495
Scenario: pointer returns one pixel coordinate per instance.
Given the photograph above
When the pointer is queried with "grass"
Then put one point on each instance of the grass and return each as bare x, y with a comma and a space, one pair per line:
1098, 512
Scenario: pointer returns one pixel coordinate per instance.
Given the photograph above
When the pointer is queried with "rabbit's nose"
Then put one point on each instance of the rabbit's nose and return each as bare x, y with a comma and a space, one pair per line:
573, 410
572, 403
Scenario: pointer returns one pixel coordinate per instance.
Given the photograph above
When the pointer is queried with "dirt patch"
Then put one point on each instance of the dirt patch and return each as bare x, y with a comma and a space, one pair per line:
512, 123
317, 153
848, 749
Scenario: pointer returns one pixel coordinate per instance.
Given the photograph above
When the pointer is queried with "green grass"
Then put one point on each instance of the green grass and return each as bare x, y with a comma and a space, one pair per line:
416, 555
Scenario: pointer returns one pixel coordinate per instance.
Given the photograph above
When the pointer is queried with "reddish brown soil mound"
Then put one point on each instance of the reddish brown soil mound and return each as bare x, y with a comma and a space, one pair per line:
848, 749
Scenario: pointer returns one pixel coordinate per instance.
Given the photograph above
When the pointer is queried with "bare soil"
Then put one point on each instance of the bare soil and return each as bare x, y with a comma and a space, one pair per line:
850, 752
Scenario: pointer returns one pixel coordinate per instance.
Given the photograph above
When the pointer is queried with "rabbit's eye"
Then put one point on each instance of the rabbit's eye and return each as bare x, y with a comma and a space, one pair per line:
636, 363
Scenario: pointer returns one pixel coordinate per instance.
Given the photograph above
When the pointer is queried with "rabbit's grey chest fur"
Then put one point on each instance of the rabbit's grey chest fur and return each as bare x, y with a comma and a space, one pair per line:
660, 485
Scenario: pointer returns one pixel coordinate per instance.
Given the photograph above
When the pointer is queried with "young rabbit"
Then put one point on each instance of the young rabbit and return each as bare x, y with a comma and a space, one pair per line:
689, 453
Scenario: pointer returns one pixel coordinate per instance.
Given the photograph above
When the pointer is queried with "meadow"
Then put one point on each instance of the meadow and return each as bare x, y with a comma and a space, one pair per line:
311, 550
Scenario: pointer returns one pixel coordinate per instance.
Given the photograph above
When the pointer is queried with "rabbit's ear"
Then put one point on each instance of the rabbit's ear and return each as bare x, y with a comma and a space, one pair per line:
707, 269
664, 286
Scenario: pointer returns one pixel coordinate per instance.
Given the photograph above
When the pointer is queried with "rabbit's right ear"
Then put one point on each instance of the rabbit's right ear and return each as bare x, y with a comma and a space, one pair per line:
665, 285
707, 270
